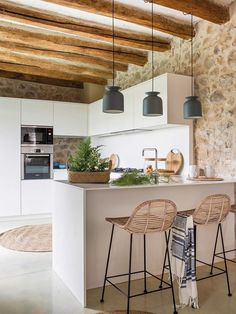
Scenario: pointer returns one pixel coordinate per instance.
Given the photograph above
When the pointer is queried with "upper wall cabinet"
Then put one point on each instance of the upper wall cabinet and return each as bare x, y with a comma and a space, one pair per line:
36, 112
173, 89
70, 119
103, 123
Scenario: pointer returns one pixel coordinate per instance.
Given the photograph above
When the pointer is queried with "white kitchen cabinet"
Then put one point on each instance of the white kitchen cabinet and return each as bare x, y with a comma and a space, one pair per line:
9, 156
70, 119
37, 112
36, 196
98, 120
103, 123
173, 89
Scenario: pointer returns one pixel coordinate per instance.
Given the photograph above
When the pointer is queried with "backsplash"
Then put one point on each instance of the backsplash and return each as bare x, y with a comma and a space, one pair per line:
63, 147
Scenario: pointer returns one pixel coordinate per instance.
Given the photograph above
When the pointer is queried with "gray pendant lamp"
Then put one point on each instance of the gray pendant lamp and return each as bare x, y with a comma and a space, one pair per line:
192, 106
113, 99
152, 103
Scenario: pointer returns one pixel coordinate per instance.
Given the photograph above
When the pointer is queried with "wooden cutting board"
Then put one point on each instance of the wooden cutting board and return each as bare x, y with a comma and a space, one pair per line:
205, 179
174, 161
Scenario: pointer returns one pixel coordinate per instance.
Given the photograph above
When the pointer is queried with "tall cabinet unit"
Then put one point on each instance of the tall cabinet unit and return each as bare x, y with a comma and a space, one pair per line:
10, 156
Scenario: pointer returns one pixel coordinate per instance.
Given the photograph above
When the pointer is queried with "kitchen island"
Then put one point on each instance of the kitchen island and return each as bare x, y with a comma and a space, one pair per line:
81, 235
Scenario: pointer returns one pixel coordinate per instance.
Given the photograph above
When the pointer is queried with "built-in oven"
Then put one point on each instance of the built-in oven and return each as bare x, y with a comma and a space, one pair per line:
36, 135
36, 162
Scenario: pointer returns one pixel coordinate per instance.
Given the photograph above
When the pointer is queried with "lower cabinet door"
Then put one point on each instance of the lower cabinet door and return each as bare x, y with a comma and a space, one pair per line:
36, 196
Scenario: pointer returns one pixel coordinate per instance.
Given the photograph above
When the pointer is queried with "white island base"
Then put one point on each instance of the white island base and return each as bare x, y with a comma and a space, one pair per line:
81, 235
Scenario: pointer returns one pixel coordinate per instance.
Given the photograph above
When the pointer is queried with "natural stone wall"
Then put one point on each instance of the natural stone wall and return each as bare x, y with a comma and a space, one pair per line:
23, 89
215, 84
63, 147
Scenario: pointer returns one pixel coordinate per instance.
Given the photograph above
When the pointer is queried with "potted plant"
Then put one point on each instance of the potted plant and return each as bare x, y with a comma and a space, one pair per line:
87, 166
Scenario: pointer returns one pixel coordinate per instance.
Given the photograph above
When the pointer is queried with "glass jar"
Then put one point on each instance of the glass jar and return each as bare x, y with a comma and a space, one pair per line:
149, 165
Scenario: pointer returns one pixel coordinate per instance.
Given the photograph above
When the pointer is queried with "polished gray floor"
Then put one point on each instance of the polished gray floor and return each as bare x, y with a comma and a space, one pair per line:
29, 286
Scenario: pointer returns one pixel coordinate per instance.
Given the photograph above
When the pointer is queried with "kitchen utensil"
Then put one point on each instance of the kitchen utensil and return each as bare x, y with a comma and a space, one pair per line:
115, 160
174, 160
193, 171
209, 171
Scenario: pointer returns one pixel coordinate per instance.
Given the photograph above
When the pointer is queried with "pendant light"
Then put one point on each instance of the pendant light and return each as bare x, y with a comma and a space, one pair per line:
152, 104
192, 106
113, 99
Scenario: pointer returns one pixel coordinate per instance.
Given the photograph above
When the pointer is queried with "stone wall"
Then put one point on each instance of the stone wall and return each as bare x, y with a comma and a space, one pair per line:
23, 89
215, 84
63, 147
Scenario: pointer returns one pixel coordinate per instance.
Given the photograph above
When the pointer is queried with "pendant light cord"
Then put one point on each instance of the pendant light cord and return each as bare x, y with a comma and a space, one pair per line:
192, 54
152, 48
113, 41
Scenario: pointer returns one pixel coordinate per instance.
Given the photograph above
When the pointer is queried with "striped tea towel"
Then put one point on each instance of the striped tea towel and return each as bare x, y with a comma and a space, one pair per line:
183, 260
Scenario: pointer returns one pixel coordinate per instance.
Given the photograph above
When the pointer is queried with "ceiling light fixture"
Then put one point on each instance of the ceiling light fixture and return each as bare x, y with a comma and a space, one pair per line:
152, 104
113, 99
192, 106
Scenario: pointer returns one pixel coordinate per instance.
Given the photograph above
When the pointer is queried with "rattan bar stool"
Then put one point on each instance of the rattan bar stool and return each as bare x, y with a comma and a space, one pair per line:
213, 210
219, 254
149, 217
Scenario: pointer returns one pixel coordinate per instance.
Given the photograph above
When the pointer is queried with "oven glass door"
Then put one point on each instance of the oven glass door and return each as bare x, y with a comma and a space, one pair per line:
33, 136
37, 166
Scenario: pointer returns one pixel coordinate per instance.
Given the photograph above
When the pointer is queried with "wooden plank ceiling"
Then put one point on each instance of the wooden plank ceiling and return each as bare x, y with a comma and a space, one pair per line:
69, 42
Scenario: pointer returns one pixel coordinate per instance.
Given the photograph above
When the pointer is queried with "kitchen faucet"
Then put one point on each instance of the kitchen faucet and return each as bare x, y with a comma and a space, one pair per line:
155, 150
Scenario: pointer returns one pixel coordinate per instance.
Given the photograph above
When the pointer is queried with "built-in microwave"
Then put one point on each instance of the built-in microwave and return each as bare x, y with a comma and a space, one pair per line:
36, 135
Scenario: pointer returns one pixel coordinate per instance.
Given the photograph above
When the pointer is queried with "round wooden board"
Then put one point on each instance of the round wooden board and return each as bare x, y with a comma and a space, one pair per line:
115, 161
174, 161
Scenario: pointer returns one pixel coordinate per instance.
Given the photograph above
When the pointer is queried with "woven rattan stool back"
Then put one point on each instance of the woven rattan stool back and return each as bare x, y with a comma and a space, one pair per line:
213, 209
152, 216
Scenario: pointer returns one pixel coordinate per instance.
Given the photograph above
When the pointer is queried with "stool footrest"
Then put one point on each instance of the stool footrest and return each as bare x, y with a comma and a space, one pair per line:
222, 271
138, 272
228, 259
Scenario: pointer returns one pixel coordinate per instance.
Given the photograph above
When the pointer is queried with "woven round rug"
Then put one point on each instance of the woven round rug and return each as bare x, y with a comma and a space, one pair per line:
122, 312
32, 238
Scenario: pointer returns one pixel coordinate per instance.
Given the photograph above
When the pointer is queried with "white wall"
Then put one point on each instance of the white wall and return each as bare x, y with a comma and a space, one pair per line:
129, 146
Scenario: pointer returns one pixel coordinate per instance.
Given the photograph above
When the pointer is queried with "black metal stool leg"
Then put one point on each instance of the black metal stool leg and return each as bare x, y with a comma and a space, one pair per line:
214, 253
108, 258
171, 280
145, 264
164, 263
130, 265
226, 268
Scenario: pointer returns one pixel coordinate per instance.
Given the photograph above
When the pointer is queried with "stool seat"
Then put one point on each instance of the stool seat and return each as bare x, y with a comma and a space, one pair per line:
118, 221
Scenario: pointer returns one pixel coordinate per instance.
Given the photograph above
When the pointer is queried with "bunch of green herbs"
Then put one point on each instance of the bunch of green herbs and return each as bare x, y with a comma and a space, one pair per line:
132, 178
87, 158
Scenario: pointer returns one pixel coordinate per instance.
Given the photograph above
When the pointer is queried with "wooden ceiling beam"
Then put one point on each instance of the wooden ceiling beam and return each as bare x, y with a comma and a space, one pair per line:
130, 14
79, 27
40, 79
205, 9
8, 55
59, 42
56, 73
91, 62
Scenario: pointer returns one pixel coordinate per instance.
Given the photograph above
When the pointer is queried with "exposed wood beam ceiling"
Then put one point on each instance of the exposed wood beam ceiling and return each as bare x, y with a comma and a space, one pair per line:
76, 26
204, 9
40, 79
66, 57
57, 74
130, 14
54, 42
59, 42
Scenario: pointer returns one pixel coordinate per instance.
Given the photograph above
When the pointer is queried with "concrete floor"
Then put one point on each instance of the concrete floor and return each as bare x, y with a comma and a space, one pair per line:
29, 286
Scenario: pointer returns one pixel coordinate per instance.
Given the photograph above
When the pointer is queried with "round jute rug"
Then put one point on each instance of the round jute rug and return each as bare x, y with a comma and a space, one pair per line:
122, 312
32, 238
